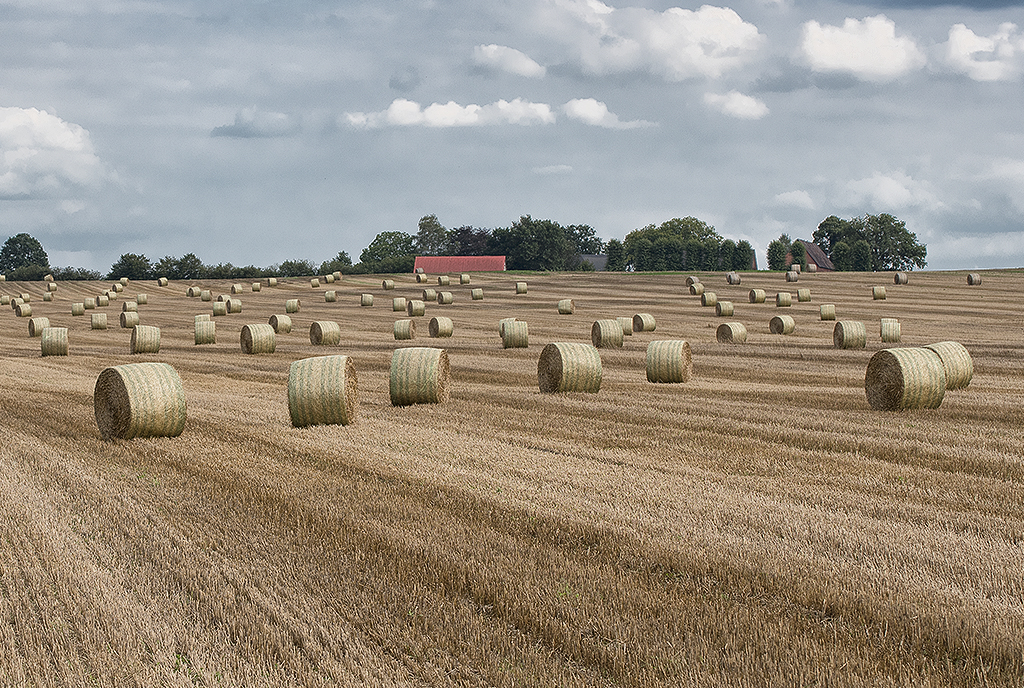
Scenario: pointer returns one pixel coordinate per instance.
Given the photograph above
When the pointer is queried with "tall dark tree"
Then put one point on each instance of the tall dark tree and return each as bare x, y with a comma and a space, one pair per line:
468, 241
860, 256
432, 238
584, 239
677, 244
798, 253
778, 249
743, 256
533, 245
133, 266
616, 256
23, 251
842, 256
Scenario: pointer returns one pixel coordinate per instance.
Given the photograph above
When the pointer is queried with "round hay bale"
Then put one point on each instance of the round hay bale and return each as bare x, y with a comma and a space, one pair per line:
323, 391
324, 333
192, 292
237, 289
112, 295
387, 285
566, 307
47, 296
26, 297
477, 294
443, 280
795, 267
709, 299
421, 278
282, 324
445, 298
669, 361
405, 329
521, 287
223, 298
803, 295
336, 275
36, 325
161, 282
5, 300
732, 278
627, 326
898, 379
53, 341
783, 299
569, 367
441, 327
515, 335
258, 339
878, 293
48, 278
606, 333
234, 305
782, 324
956, 362
139, 400
314, 283
123, 282
792, 276
51, 286
811, 267
271, 281
757, 295
696, 289
415, 307
145, 339
464, 278
644, 322
129, 319
503, 323
142, 299
900, 278
723, 308
889, 330
329, 279
398, 304
420, 375
23, 310
78, 309
973, 278
330, 296
202, 317
102, 300
99, 321
849, 334
118, 287
205, 332
220, 308
731, 333
827, 311
430, 294
692, 280
15, 302
205, 295
129, 307
291, 306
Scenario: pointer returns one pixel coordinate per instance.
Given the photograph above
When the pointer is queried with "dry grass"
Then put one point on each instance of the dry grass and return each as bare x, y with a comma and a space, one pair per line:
757, 525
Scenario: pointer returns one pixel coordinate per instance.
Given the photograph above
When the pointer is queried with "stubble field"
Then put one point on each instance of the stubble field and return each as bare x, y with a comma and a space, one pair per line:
758, 525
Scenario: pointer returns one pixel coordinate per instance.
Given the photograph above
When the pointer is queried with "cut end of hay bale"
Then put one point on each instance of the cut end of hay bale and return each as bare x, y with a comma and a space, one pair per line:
898, 379
644, 322
782, 324
878, 293
323, 391
139, 400
696, 289
420, 375
129, 320
521, 287
324, 333
757, 295
282, 324
669, 361
731, 333
723, 309
387, 285
606, 333
792, 276
441, 327
569, 367
415, 307
36, 325
709, 299
973, 278
445, 298
849, 334
258, 339
732, 278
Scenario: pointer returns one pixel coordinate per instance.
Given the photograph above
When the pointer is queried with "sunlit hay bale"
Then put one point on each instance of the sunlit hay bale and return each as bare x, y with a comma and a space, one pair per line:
234, 305
692, 280
256, 286
53, 341
811, 267
445, 298
330, 296
323, 391
569, 367
444, 280
205, 295
973, 278
709, 299
329, 279
696, 289
849, 334
669, 361
129, 307
36, 325
192, 292
782, 324
419, 271
25, 297
723, 308
258, 339
117, 287
792, 276
956, 363
477, 294
220, 308
911, 378
405, 329
803, 295
145, 339
627, 326
421, 278
161, 282
271, 281
139, 400
291, 306
566, 307
398, 304
3, 278
795, 267
78, 309
515, 335
429, 294
51, 286
644, 322
282, 324
827, 311
112, 295
415, 307
503, 323
99, 321
324, 333
142, 299
223, 297
314, 283
420, 375
732, 278
47, 296
102, 300
203, 317
5, 300
731, 333
15, 302
23, 310
48, 278
900, 278
336, 275
441, 327
878, 293
757, 295
783, 299
124, 282
521, 287
387, 285
889, 330
205, 332
606, 333
464, 278
129, 319
237, 289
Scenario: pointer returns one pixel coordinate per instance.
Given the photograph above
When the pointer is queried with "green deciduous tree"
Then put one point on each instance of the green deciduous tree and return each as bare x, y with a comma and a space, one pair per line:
187, 267
340, 263
468, 241
842, 256
389, 252
133, 266
743, 256
584, 239
616, 255
297, 268
798, 254
533, 245
891, 244
677, 244
432, 239
23, 251
778, 249
860, 256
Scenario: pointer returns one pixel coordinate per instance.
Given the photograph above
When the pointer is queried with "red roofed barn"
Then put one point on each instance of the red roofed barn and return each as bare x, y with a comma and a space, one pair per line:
441, 264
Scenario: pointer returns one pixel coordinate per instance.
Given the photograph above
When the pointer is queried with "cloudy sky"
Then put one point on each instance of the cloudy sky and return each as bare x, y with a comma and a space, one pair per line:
256, 132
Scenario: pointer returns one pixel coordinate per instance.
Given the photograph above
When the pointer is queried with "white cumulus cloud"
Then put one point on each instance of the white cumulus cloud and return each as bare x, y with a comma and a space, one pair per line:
507, 59
736, 104
985, 58
407, 113
869, 49
596, 113
892, 191
795, 199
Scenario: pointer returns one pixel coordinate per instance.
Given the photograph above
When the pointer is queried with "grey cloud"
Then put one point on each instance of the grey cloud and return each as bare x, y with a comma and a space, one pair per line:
251, 123
405, 79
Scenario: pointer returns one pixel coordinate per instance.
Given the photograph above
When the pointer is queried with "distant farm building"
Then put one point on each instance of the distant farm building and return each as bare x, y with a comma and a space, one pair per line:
600, 262
443, 264
815, 256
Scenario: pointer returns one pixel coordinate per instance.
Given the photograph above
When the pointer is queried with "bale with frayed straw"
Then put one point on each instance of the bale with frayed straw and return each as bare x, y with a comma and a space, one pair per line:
234, 305
329, 279
709, 299
314, 283
696, 289
420, 375
192, 292
627, 326
606, 333
566, 307
323, 391
878, 293
324, 333
291, 306
757, 295
731, 333
441, 327
898, 379
129, 307
78, 309
669, 361
161, 282
783, 299
445, 298
36, 325
205, 295
900, 278
477, 294
569, 367
464, 278
282, 324
23, 310
889, 330
503, 323
145, 339
443, 280
956, 362
692, 280
792, 276
258, 339
102, 300
430, 294
644, 322
220, 308
53, 341
732, 278
237, 289
520, 287
129, 320
405, 329
723, 308
973, 278
205, 332
515, 335
782, 324
387, 285
849, 334
398, 304
142, 299
415, 307
330, 296
139, 400
827, 311
99, 321
803, 295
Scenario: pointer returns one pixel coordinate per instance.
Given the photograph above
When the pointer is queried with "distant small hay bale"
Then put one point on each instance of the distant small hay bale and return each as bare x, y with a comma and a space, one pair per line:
723, 309
606, 333
323, 391
161, 282
644, 322
330, 296
48, 278
849, 334
398, 304
25, 297
271, 281
192, 292
51, 286
139, 400
792, 276
234, 305
15, 302
669, 361
627, 326
464, 278
237, 289
112, 295
803, 295
129, 307
3, 278
569, 367
258, 338
783, 299
757, 295
878, 293
889, 330
256, 286
782, 324
78, 309
420, 375
23, 310
445, 298
117, 287
291, 306
36, 325
441, 327
900, 278
515, 335
731, 333
102, 300
99, 321
811, 267
429, 295
145, 339
223, 297
898, 379
387, 285
202, 317
5, 300
419, 271
443, 280
129, 319
503, 323
336, 275
421, 278
956, 362
404, 329
692, 280
205, 332
973, 278
732, 278
696, 289
124, 282
827, 311
795, 267
220, 308
477, 294
47, 296
324, 333
415, 307
205, 295
566, 307
709, 299
142, 299
521, 287
329, 279
282, 324
53, 341
314, 283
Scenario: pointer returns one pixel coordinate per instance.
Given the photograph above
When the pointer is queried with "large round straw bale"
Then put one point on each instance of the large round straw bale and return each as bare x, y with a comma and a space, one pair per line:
47, 296
464, 278
898, 379
956, 362
282, 324
112, 295
889, 330
102, 300
709, 299
323, 391
503, 323
329, 279
569, 367
291, 306
669, 361
757, 295
606, 333
129, 307
336, 275
732, 278
477, 294
220, 308
139, 400
99, 321
142, 299
123, 282
415, 307
783, 299
811, 267
398, 304
330, 296
430, 294
792, 276
973, 278
421, 278
314, 283
849, 334
644, 322
48, 278
405, 329
258, 338
257, 286
878, 293
443, 280
900, 278
5, 300
26, 297
129, 319
161, 282
782, 324
420, 375
36, 325
387, 285
205, 295
202, 317
23, 310
515, 335
271, 281
441, 327
145, 339
193, 292
692, 280
237, 289
521, 287
803, 295
827, 311
15, 302
731, 333
696, 289
78, 309
205, 332
51, 286
445, 298
723, 308
53, 341
324, 333
566, 307
795, 267
627, 326
117, 287
234, 305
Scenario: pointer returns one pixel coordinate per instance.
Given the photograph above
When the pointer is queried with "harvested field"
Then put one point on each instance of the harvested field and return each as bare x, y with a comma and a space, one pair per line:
756, 525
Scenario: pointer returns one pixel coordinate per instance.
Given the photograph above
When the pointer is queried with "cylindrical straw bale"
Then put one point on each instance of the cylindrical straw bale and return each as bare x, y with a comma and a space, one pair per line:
441, 327
192, 292
430, 294
257, 286
291, 306
606, 333
5, 300
421, 278
445, 298
520, 287
234, 305
15, 302
117, 287
36, 325
387, 285
569, 367
145, 339
323, 391
709, 299
644, 322
827, 311
129, 307
330, 296
398, 304
415, 307
329, 279
973, 278
336, 275
515, 335
849, 334
54, 341
271, 281
314, 283
78, 309
99, 321
220, 308
48, 278
732, 278
23, 310
811, 267
205, 332
900, 278
418, 271
731, 333
405, 329
112, 295
566, 307
803, 295
258, 338
956, 362
723, 308
3, 278
124, 281
696, 289
757, 295
206, 295
324, 333
464, 278
783, 299
898, 379
477, 294
161, 282
889, 330
878, 293
139, 400
792, 276
795, 267
237, 289
443, 280
282, 324
627, 326
102, 300
782, 324
692, 280
26, 297
202, 317
51, 286
669, 361
142, 299
503, 323
47, 296
129, 319
420, 375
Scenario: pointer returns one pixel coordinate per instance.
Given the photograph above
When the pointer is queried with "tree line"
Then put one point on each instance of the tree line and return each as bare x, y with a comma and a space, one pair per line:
870, 243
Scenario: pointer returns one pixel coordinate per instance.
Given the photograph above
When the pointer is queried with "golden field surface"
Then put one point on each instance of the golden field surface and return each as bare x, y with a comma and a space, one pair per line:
758, 525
